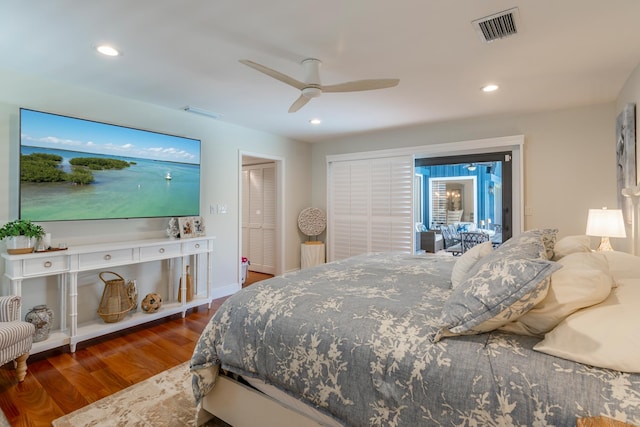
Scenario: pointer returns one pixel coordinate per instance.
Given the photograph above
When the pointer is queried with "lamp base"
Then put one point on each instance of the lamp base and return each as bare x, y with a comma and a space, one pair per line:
605, 245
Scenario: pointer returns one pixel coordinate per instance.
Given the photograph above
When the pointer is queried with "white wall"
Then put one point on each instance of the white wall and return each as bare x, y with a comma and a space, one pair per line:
569, 159
221, 145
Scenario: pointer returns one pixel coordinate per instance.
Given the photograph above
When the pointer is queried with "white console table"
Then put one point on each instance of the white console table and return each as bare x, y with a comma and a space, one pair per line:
68, 263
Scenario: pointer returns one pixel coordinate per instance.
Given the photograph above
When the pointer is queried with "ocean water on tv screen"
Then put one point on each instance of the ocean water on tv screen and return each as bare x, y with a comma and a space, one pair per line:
145, 189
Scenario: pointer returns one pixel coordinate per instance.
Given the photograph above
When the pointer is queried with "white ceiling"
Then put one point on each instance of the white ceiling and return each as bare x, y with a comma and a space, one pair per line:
176, 53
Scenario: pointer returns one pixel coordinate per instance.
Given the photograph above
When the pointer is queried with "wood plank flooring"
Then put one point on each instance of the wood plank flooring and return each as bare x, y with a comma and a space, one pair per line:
59, 382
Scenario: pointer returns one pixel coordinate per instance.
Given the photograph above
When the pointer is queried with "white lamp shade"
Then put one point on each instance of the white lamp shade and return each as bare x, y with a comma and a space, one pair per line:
605, 223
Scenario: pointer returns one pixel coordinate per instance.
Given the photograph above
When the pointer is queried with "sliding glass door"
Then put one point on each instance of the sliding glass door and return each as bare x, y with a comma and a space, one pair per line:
473, 189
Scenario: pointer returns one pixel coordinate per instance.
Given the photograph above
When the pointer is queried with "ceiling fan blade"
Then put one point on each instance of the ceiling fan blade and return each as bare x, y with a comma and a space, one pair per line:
275, 74
360, 85
299, 103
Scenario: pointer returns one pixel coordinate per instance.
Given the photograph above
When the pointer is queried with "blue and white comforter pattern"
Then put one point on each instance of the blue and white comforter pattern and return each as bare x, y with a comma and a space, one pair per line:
354, 339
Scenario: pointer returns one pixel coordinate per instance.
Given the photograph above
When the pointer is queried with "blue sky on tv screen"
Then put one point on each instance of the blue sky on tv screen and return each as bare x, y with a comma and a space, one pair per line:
39, 129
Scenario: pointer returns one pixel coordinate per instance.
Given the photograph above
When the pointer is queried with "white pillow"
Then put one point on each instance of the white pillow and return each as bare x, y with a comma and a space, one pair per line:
583, 281
623, 265
468, 260
571, 244
605, 335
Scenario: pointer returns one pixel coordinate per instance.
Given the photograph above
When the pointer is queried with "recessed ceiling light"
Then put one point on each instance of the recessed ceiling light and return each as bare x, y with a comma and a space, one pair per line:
490, 88
108, 50
315, 121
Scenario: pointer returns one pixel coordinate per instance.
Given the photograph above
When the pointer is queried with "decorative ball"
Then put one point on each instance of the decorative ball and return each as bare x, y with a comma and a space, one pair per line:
151, 303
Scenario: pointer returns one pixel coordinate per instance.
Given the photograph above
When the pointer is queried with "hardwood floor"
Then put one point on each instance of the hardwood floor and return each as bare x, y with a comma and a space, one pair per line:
60, 382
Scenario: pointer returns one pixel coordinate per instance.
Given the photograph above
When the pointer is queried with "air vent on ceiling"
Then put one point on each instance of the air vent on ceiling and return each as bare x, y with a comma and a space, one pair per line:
497, 26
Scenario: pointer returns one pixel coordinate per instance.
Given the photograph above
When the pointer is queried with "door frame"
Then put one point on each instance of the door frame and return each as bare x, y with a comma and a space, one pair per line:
280, 204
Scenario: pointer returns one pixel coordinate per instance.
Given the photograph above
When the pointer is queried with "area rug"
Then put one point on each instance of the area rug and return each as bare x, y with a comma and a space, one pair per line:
164, 400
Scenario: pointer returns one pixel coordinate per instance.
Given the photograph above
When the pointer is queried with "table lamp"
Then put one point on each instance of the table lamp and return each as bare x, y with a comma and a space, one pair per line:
605, 223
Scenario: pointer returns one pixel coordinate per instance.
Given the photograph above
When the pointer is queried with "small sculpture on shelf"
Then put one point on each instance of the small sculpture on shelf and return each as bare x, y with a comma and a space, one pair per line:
173, 229
151, 303
132, 292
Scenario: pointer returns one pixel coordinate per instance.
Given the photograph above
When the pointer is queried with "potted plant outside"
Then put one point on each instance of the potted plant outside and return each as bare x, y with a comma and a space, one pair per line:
20, 236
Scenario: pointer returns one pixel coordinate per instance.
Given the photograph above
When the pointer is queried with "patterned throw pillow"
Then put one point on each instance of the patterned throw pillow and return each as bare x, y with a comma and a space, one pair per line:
500, 288
500, 292
547, 235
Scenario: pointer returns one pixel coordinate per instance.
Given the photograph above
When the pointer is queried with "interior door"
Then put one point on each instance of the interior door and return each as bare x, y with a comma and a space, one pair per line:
259, 216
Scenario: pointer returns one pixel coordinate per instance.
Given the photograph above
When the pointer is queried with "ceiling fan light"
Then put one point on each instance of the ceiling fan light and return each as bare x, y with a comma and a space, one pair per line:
311, 92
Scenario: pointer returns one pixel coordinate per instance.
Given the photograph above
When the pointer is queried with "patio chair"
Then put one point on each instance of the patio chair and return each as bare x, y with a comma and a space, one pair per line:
451, 239
469, 239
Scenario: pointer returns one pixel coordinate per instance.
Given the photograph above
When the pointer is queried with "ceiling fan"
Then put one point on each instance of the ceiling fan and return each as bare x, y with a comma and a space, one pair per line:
472, 166
312, 88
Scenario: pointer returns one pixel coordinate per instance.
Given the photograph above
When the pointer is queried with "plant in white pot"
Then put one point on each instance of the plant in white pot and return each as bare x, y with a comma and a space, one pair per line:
20, 236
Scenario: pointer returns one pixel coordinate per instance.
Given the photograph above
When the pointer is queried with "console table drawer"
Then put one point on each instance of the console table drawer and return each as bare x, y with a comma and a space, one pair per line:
106, 258
159, 251
45, 266
198, 246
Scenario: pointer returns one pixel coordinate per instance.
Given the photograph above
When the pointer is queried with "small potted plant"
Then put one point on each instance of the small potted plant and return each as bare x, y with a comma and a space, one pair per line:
21, 236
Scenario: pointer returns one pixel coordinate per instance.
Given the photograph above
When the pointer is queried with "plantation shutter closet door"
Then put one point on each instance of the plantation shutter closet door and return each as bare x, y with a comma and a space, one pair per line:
259, 216
370, 206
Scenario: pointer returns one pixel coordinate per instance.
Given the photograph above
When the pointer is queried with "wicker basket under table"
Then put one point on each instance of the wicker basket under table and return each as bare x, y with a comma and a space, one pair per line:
115, 303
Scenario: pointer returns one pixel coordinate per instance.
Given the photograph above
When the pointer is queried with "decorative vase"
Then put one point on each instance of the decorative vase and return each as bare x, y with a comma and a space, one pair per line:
189, 287
41, 316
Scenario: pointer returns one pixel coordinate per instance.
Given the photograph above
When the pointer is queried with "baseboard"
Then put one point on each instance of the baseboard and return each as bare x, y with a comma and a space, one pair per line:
225, 290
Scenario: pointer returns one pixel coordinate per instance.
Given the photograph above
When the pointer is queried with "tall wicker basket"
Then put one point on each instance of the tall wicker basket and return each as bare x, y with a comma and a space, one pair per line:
115, 302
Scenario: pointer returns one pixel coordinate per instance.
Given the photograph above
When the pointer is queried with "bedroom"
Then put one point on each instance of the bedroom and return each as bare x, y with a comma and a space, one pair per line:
569, 156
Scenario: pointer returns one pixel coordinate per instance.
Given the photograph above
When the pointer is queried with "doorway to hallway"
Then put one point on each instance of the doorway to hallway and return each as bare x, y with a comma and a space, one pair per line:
260, 212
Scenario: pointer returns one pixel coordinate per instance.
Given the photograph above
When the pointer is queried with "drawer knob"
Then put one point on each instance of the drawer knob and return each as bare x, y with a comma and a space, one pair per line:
161, 250
47, 264
197, 245
107, 257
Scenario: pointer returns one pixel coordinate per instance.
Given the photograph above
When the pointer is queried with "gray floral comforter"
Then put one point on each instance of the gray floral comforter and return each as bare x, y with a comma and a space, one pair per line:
353, 339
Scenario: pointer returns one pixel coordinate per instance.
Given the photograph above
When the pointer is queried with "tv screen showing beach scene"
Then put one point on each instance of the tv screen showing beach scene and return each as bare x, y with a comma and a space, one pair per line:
77, 169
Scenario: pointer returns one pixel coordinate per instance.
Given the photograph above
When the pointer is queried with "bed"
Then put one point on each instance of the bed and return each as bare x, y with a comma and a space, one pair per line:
535, 332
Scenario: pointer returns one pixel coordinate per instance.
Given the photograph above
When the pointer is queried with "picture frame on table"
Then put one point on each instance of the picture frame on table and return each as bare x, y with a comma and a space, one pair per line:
198, 226
191, 226
186, 227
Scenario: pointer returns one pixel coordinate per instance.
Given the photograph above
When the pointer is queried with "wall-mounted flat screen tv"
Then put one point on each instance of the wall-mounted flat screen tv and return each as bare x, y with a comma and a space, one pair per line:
76, 169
